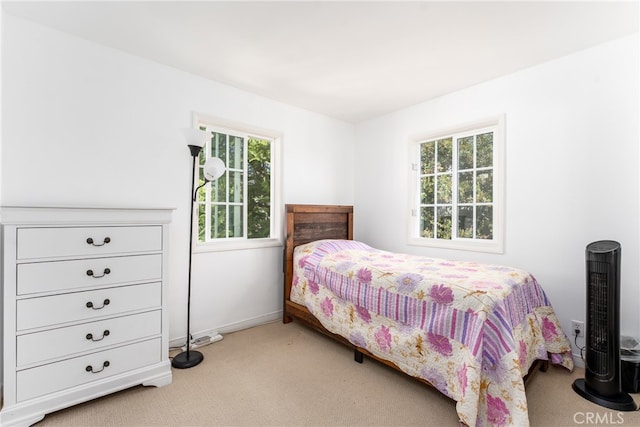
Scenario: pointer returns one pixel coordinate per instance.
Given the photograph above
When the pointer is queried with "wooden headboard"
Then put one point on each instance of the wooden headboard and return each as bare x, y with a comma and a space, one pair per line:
307, 223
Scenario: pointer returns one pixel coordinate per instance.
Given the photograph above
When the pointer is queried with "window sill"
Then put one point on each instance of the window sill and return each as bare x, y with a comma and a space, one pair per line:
470, 245
236, 245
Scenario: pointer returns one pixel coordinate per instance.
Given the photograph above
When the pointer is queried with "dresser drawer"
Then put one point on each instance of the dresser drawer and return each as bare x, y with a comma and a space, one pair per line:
58, 343
68, 275
87, 305
86, 241
68, 373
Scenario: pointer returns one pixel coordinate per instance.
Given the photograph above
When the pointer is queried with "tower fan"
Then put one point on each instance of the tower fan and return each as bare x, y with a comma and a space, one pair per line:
602, 380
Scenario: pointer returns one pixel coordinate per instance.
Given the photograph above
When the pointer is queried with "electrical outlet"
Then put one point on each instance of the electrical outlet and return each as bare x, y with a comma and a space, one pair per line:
577, 326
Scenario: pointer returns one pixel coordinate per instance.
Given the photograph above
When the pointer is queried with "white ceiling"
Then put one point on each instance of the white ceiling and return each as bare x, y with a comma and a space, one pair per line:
348, 60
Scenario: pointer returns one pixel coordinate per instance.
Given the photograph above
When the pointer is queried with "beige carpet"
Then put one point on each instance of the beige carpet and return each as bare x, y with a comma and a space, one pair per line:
288, 375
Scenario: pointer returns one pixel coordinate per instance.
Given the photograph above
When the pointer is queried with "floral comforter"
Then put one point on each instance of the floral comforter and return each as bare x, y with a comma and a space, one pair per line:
472, 330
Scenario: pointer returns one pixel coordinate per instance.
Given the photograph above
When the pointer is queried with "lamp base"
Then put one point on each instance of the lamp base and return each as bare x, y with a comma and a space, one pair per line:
187, 359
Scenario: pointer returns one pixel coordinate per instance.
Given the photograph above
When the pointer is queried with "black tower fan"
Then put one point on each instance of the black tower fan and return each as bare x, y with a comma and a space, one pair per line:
602, 380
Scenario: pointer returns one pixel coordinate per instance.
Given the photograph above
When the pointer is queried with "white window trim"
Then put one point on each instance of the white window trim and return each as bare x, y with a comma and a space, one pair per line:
233, 244
491, 246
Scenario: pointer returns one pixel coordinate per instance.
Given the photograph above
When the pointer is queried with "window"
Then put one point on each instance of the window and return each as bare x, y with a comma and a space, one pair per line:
239, 209
458, 184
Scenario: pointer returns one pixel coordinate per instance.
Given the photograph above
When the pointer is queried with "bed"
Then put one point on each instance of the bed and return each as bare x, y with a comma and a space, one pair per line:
475, 332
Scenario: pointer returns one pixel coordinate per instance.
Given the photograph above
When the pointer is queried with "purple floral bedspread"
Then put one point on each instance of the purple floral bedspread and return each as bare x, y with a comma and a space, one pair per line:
472, 330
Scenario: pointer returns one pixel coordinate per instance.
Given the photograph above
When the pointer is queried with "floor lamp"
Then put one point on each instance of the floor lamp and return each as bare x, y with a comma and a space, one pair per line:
213, 169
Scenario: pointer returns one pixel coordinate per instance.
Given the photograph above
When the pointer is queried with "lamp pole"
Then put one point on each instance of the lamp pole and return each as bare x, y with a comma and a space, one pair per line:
188, 358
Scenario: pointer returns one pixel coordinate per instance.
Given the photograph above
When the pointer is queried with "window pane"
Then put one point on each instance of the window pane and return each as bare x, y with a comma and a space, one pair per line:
465, 153
444, 189
202, 157
259, 225
201, 193
465, 187
485, 150
427, 222
484, 188
444, 222
427, 193
445, 147
201, 222
465, 221
236, 151
236, 189
218, 147
219, 189
202, 154
259, 188
218, 222
428, 157
457, 190
239, 203
484, 222
235, 221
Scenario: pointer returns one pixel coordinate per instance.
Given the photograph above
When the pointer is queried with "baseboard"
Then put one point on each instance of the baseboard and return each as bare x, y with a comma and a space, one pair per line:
251, 322
230, 327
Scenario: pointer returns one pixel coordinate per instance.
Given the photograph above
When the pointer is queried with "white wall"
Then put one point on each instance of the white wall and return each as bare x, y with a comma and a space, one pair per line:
572, 170
87, 125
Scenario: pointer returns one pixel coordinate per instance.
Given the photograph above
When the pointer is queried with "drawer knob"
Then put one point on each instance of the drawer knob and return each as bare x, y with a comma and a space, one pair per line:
105, 303
104, 242
89, 368
104, 273
104, 334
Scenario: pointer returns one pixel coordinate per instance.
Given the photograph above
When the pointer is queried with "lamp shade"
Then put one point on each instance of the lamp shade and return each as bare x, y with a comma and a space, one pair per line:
195, 137
213, 168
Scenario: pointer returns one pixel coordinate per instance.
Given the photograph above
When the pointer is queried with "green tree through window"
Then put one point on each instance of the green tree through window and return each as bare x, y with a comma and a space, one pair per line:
239, 204
259, 188
457, 194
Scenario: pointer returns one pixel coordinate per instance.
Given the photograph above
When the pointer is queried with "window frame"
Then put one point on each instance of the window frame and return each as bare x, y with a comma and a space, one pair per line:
495, 245
241, 243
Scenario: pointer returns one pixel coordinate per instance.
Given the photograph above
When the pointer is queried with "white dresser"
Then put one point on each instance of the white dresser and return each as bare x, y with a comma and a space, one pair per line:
84, 306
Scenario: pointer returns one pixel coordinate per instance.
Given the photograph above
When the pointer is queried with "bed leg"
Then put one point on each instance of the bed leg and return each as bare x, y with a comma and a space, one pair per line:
358, 356
544, 365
